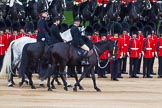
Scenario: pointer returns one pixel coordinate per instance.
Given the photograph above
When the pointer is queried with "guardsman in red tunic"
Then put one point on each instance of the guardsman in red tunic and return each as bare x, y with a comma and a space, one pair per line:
159, 52
96, 37
8, 32
126, 39
148, 52
141, 39
15, 31
2, 42
103, 66
116, 29
155, 39
134, 52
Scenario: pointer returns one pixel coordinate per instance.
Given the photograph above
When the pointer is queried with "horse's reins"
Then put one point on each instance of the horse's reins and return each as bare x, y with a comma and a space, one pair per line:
95, 48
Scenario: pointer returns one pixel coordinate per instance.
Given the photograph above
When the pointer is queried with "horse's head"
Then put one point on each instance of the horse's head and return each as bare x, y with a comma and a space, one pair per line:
159, 6
146, 4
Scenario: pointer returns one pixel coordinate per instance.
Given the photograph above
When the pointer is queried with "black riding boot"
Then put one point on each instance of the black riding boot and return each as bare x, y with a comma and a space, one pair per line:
85, 59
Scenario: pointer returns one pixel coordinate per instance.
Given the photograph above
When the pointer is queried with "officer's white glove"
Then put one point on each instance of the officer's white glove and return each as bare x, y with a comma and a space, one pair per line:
128, 54
105, 5
143, 53
43, 39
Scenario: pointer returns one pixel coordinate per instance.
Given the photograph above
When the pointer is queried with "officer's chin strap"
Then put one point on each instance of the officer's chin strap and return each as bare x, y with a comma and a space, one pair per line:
98, 58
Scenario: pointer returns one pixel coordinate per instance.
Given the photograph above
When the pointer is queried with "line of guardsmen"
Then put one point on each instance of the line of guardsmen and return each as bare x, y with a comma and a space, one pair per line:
135, 42
11, 31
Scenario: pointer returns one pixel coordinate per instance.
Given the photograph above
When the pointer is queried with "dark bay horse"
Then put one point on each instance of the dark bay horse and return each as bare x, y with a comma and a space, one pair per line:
66, 55
31, 54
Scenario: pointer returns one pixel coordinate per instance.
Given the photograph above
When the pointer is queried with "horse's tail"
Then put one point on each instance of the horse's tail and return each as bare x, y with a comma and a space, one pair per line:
24, 61
7, 60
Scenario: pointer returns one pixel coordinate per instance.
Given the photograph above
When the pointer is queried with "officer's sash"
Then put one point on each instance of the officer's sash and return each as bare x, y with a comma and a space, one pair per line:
66, 36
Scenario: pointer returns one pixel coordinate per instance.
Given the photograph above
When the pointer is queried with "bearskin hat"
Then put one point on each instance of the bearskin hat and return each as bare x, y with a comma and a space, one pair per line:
147, 30
8, 23
15, 26
133, 30
96, 27
125, 26
29, 27
2, 25
89, 31
139, 26
103, 32
22, 24
160, 31
152, 24
116, 28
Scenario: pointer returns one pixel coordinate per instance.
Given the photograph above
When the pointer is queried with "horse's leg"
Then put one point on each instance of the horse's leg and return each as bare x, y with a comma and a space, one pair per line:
78, 82
49, 76
61, 70
10, 80
29, 75
94, 80
76, 77
56, 70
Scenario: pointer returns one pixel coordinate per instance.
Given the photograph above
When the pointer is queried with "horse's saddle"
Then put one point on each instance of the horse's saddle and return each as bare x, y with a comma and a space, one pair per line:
84, 53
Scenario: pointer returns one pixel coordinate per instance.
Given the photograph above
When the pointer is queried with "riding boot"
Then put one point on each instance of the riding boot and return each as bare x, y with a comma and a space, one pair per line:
85, 59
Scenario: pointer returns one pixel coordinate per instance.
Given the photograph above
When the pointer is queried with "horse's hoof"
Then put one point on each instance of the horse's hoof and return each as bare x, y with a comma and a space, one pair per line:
10, 85
75, 89
49, 89
26, 82
20, 84
42, 85
59, 83
65, 88
53, 87
33, 87
98, 90
81, 88
69, 85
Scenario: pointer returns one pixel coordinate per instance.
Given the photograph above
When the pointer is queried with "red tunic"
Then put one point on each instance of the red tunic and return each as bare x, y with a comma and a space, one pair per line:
148, 48
159, 47
33, 36
126, 39
155, 39
119, 44
141, 39
8, 40
21, 35
14, 37
134, 48
96, 39
2, 44
153, 0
